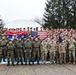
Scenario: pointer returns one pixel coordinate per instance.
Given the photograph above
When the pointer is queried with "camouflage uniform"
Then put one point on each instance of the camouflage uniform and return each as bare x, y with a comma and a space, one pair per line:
10, 53
27, 50
52, 52
19, 49
36, 46
23, 39
0, 45
62, 52
3, 43
72, 50
15, 52
0, 34
44, 51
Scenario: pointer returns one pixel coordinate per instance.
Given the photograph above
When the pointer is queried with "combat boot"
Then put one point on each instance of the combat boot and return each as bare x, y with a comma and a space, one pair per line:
8, 63
42, 62
33, 62
29, 63
13, 64
38, 62
0, 59
17, 62
74, 63
25, 63
3, 59
50, 62
21, 63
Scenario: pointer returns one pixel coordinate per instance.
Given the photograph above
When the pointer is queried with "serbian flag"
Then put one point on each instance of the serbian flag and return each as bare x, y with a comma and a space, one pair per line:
18, 34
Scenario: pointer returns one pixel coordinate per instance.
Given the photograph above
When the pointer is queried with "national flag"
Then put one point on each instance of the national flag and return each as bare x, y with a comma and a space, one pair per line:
42, 34
18, 34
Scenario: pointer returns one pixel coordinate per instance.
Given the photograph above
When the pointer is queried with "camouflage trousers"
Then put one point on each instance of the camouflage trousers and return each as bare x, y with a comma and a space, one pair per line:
35, 51
62, 57
44, 55
19, 55
10, 55
0, 54
52, 55
72, 52
27, 55
4, 53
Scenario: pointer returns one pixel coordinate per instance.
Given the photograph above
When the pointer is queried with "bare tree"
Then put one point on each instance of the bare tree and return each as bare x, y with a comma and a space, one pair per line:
39, 21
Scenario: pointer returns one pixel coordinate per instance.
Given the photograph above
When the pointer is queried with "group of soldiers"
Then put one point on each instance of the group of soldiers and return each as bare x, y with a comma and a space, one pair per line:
59, 46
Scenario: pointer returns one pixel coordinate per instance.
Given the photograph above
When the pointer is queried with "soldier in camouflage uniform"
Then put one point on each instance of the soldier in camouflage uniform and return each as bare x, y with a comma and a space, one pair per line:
19, 49
3, 43
44, 51
27, 50
10, 52
72, 49
28, 31
36, 46
15, 52
22, 38
52, 51
62, 52
0, 45
1, 33
39, 47
6, 37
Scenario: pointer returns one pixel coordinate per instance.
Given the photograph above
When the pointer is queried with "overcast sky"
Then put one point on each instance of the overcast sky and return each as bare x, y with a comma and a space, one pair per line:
21, 9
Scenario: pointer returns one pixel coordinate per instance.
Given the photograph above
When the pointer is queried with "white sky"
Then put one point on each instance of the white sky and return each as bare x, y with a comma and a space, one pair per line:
21, 9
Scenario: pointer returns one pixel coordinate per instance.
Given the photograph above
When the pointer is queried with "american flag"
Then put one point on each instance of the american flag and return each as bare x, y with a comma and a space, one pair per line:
42, 34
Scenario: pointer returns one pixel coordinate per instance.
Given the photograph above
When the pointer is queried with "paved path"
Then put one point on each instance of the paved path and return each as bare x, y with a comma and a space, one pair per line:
55, 69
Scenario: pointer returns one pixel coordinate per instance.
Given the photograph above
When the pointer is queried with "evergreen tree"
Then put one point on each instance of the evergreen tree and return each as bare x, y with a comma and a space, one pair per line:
60, 14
